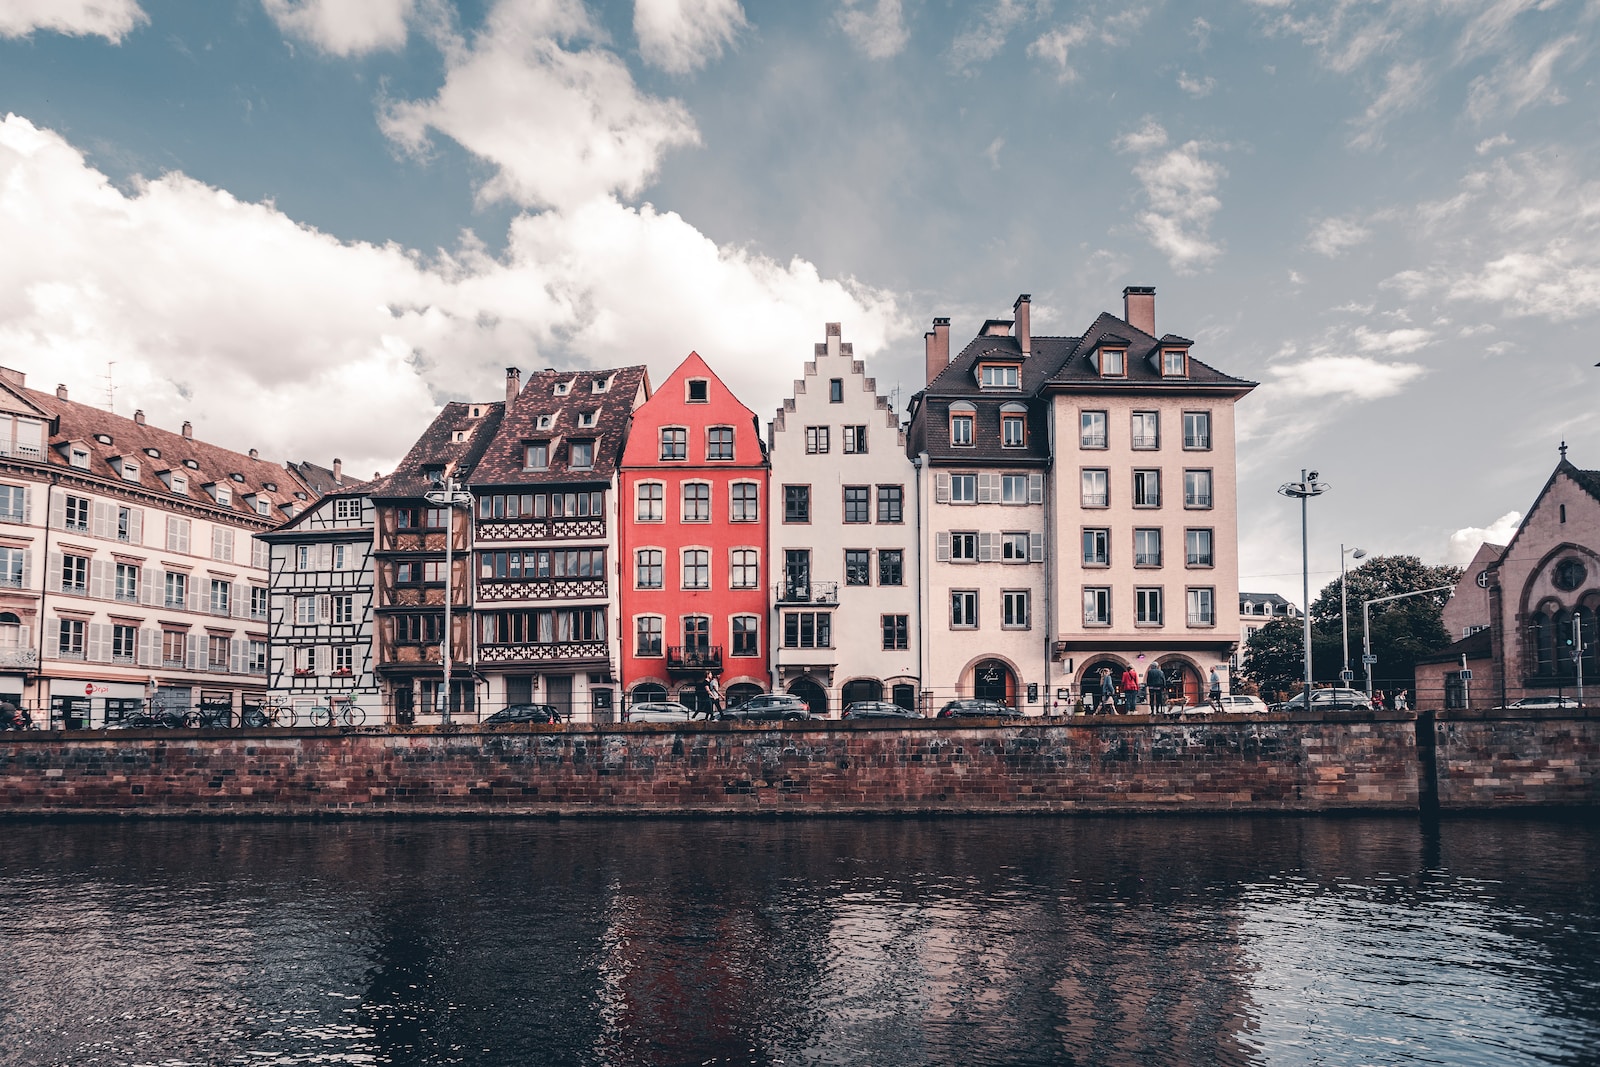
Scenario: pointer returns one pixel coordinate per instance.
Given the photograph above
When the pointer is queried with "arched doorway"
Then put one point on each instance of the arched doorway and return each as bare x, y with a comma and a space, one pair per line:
1184, 684
814, 695
993, 680
740, 692
861, 689
695, 697
1091, 679
647, 692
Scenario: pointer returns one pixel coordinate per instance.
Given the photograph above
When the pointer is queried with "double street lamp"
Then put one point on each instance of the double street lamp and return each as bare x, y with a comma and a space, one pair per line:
1306, 488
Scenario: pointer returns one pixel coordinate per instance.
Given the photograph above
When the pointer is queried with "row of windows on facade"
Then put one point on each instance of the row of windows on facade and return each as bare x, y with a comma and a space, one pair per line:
819, 440
1146, 489
744, 567
857, 503
1150, 606
337, 660
130, 583
79, 514
1147, 548
123, 643
1144, 432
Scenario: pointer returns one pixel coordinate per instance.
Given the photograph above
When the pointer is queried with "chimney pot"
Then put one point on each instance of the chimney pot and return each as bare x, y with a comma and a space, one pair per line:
188, 430
1139, 308
937, 344
1024, 322
254, 454
138, 417
513, 383
338, 471
61, 392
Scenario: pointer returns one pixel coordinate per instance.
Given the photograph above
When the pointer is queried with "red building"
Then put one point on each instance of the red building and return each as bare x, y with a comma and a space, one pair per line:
694, 533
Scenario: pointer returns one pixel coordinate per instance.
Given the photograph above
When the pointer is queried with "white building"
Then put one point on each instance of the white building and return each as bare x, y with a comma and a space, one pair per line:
843, 539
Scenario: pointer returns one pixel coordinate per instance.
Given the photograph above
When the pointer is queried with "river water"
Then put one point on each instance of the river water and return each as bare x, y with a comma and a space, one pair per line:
1254, 940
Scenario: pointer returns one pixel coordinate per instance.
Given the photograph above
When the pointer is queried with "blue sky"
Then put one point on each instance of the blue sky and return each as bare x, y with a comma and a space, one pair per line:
304, 223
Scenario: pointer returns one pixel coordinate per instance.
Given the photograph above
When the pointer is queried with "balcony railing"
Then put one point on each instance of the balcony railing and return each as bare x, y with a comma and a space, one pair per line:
694, 657
556, 589
806, 592
540, 529
1146, 440
565, 650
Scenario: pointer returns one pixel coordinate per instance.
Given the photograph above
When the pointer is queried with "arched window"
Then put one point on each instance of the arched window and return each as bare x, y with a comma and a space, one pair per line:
647, 692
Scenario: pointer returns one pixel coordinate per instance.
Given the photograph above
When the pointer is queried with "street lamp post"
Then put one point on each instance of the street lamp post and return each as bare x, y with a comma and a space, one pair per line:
1344, 608
448, 495
1368, 660
1306, 488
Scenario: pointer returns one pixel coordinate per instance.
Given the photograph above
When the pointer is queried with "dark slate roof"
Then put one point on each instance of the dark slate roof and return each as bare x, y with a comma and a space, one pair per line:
200, 462
343, 491
320, 479
1274, 599
438, 447
1588, 481
930, 424
1079, 370
502, 462
1478, 645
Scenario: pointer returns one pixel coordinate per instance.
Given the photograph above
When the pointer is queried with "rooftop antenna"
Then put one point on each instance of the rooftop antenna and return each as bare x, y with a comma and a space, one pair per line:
111, 388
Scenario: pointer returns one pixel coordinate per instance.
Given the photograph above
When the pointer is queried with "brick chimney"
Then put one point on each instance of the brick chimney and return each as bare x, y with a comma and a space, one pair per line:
338, 471
513, 385
254, 454
1024, 324
188, 430
138, 417
15, 377
1139, 308
937, 344
61, 392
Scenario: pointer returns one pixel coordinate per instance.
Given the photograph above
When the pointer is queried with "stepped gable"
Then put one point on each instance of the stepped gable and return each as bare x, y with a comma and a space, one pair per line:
453, 443
107, 436
539, 412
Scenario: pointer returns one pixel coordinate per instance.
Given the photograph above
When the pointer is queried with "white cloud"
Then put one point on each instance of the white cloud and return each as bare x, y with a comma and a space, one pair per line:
992, 153
1518, 82
344, 27
346, 348
879, 31
1343, 377
1464, 543
1196, 87
985, 35
680, 36
1489, 144
1331, 237
1180, 187
1560, 281
111, 19
1057, 45
1404, 85
562, 126
1394, 342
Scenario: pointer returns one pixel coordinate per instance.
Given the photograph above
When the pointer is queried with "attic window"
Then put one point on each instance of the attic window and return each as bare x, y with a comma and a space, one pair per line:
153, 453
587, 418
223, 495
263, 506
998, 376
476, 411
1174, 363
962, 417
600, 385
299, 496
236, 476
179, 483
191, 464
1113, 363
104, 439
271, 487
130, 471
78, 458
543, 422
563, 388
699, 391
458, 436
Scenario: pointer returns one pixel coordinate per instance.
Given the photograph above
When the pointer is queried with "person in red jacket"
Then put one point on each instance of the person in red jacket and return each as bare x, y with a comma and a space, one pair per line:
1130, 691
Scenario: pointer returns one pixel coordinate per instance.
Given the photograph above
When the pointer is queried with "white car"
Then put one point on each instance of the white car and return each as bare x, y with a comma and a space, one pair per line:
657, 711
1242, 705
1528, 703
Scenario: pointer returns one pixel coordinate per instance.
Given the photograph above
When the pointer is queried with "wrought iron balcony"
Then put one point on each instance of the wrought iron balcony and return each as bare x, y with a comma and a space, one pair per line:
806, 593
694, 657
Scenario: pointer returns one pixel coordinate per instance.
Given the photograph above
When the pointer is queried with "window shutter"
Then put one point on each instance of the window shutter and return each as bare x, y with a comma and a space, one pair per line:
239, 601
941, 549
102, 578
104, 522
52, 639
260, 554
25, 636
136, 526
239, 656
27, 505
322, 657
149, 647
99, 647
1036, 488
985, 547
324, 608
52, 580
27, 570
1036, 548
988, 488
325, 555
941, 488
195, 652
58, 511
152, 586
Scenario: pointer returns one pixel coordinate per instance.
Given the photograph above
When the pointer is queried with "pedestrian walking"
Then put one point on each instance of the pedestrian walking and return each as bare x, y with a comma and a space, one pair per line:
1107, 693
714, 691
1130, 691
1155, 684
1215, 696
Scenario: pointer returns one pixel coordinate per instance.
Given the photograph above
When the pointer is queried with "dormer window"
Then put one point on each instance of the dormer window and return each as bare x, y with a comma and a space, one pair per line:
581, 455
563, 388
263, 506
1013, 426
600, 385
963, 416
458, 436
222, 494
998, 376
78, 457
191, 464
536, 455
1174, 363
271, 487
1113, 363
699, 391
588, 418
236, 476
477, 411
153, 453
103, 438
178, 483
543, 422
127, 468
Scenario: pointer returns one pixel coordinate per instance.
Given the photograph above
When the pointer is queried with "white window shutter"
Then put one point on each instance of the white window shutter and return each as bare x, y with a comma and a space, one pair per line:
195, 652
1036, 548
58, 511
102, 578
322, 656
136, 526
986, 547
27, 505
260, 554
149, 647
1036, 488
99, 648
326, 556
941, 550
988, 488
239, 656
52, 639
152, 586
941, 488
25, 636
104, 522
239, 601
324, 608
27, 569
52, 580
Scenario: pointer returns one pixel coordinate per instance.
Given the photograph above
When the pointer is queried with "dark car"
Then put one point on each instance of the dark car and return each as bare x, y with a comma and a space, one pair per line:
1333, 699
524, 713
770, 707
878, 709
980, 709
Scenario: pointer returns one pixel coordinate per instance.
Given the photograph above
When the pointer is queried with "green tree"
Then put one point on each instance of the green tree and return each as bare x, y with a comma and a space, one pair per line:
1274, 657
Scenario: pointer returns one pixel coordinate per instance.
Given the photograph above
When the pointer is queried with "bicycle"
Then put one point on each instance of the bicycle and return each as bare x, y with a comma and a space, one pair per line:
269, 713
349, 715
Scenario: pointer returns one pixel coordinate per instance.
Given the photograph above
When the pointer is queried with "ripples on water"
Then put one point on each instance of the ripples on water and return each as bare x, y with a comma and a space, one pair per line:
884, 942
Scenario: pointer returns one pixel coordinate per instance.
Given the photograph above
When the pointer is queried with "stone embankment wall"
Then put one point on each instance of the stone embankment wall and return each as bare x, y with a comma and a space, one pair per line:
1488, 759
1354, 761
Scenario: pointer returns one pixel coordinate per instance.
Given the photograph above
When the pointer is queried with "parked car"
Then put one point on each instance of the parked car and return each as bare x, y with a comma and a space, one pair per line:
770, 707
524, 713
1328, 700
657, 711
1238, 705
1527, 703
985, 709
878, 709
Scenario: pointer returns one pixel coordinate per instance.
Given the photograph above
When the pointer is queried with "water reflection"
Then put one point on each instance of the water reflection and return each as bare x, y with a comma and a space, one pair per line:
1082, 941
